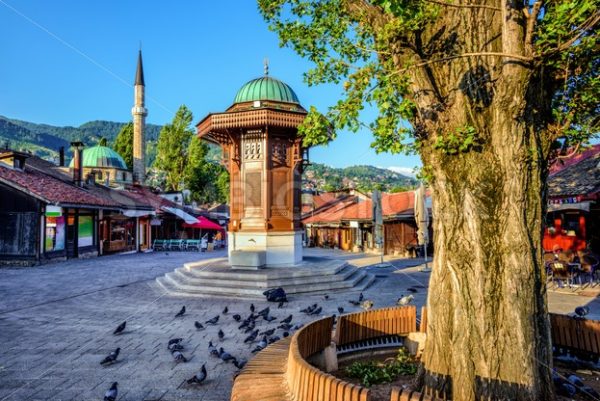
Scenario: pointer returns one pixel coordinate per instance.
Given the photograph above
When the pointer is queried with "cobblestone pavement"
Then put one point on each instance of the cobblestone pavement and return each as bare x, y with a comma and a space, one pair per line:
56, 324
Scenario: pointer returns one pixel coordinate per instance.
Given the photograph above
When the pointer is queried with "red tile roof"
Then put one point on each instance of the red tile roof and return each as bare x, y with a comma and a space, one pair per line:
51, 189
401, 203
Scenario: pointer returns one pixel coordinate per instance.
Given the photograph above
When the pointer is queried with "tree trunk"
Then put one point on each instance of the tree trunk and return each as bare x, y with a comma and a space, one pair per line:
488, 330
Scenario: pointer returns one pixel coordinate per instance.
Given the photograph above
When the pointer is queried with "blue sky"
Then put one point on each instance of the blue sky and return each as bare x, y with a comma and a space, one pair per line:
66, 62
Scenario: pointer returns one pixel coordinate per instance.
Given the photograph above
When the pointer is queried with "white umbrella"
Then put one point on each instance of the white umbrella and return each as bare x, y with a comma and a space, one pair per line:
422, 219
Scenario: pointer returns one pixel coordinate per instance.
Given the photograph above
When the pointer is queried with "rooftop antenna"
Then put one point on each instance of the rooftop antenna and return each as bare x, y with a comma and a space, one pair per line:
266, 62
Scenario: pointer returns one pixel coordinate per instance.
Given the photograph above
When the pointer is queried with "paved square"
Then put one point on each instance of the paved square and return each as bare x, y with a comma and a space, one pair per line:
56, 324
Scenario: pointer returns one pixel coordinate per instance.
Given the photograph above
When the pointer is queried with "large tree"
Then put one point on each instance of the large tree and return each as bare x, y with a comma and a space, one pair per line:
172, 149
124, 144
201, 175
488, 87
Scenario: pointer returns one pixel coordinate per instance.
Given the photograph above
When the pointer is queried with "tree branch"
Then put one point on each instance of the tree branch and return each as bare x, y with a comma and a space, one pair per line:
587, 25
471, 6
531, 20
464, 55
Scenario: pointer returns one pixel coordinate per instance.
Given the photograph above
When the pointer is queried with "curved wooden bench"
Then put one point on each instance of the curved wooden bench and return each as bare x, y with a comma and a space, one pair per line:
307, 383
360, 326
399, 394
264, 376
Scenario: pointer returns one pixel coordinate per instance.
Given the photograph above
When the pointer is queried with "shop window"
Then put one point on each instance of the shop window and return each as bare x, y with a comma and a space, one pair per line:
85, 231
55, 234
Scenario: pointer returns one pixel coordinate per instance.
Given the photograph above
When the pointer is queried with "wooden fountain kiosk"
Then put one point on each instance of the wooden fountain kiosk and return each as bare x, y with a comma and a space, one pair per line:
265, 157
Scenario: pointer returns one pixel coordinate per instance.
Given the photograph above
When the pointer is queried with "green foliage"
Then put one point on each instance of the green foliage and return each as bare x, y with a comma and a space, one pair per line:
371, 372
371, 47
223, 186
124, 144
103, 141
461, 140
203, 178
184, 161
172, 149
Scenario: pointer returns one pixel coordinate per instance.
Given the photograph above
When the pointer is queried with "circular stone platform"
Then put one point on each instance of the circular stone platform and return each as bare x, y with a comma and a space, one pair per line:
215, 277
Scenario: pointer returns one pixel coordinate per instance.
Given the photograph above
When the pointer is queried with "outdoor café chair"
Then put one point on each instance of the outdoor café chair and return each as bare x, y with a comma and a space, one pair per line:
560, 271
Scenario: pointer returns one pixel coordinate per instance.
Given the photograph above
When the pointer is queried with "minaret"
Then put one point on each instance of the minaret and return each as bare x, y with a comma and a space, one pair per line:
139, 113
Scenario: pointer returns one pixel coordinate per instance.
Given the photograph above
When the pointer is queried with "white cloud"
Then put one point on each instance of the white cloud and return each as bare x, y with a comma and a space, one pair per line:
408, 171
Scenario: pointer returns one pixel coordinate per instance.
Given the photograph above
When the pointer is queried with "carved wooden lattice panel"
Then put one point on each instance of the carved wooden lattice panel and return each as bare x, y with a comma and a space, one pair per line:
280, 189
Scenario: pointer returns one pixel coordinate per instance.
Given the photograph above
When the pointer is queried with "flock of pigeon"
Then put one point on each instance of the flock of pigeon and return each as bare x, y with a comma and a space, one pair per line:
256, 339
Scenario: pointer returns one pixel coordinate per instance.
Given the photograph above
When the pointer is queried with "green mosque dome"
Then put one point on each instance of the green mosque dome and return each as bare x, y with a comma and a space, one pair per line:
266, 88
102, 156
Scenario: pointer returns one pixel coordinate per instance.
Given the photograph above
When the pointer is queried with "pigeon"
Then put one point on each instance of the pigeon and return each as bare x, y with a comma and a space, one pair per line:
181, 312
237, 317
297, 327
405, 300
262, 345
325, 297
316, 311
198, 377
355, 303
280, 304
309, 309
198, 325
264, 312
412, 289
285, 334
221, 334
225, 310
287, 319
211, 346
251, 337
178, 356
361, 297
366, 305
252, 308
582, 311
269, 318
225, 356
175, 347
111, 393
240, 364
249, 329
120, 328
111, 358
268, 332
174, 341
340, 310
285, 326
576, 381
274, 339
213, 321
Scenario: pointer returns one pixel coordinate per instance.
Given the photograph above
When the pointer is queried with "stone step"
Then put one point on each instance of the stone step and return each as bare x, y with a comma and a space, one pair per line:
199, 269
242, 280
235, 287
358, 280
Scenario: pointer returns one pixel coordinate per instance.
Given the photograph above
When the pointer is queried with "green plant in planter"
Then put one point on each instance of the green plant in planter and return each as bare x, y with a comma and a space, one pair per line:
374, 372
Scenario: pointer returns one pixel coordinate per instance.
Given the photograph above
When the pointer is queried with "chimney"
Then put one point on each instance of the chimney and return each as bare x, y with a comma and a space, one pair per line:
77, 162
61, 156
14, 159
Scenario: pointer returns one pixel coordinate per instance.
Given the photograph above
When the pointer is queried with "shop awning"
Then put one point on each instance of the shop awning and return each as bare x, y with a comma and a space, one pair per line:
204, 224
138, 213
585, 206
188, 218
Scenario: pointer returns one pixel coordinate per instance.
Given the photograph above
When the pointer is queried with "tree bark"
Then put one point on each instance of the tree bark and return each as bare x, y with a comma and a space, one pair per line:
488, 330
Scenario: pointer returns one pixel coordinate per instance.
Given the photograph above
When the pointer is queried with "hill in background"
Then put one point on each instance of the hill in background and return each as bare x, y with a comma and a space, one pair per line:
365, 178
44, 140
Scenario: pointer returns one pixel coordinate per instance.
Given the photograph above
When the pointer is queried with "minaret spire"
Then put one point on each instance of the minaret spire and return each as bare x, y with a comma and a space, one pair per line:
139, 74
266, 63
139, 113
